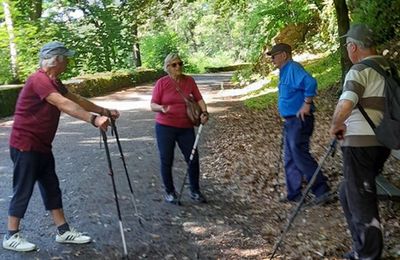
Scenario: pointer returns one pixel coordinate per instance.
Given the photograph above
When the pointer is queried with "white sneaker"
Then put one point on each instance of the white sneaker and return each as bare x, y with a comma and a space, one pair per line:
17, 243
73, 237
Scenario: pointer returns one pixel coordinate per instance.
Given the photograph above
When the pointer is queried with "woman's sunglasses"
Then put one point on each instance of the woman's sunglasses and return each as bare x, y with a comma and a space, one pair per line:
176, 64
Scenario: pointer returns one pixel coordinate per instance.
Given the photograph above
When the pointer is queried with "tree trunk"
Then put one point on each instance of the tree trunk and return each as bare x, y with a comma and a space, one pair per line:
342, 13
136, 55
37, 9
11, 37
137, 59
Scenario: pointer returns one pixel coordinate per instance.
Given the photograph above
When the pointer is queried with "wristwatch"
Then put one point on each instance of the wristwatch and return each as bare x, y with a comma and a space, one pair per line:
93, 120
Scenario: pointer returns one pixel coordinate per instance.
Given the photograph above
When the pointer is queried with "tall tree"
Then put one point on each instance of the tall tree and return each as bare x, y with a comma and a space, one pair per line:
343, 26
13, 46
136, 13
30, 10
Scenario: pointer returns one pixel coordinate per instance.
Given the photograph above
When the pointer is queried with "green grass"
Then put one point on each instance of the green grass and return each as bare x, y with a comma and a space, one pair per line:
326, 70
262, 101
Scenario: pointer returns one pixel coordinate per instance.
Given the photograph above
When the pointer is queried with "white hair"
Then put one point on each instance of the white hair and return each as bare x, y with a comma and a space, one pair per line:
360, 44
51, 62
170, 57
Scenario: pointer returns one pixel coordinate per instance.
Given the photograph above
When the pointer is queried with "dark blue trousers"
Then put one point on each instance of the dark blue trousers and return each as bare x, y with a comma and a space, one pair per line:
30, 167
359, 200
167, 136
299, 163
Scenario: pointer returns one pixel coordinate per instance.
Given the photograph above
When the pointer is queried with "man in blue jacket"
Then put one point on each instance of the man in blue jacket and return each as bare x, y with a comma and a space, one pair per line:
297, 89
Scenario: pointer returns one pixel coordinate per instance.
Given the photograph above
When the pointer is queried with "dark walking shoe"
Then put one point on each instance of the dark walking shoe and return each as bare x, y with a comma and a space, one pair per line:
286, 200
326, 198
171, 198
198, 197
351, 255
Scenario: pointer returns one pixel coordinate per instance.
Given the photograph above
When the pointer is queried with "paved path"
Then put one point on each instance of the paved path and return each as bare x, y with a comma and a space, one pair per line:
169, 231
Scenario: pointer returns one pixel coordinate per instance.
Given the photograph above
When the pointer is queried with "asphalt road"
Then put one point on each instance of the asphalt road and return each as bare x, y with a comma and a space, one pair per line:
168, 232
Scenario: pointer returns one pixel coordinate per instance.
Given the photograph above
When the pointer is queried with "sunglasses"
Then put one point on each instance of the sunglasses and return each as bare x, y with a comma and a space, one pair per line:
273, 56
176, 64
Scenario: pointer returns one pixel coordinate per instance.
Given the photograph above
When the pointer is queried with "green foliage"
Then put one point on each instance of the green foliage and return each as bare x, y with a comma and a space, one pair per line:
266, 18
262, 102
157, 47
382, 16
327, 70
202, 62
8, 99
101, 83
236, 67
5, 67
87, 85
245, 76
207, 33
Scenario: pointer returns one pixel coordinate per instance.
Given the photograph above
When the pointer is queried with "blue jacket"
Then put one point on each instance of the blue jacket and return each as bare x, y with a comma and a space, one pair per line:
295, 84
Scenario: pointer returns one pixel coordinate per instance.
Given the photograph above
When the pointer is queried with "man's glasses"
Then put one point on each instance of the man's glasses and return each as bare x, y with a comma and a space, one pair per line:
176, 64
273, 56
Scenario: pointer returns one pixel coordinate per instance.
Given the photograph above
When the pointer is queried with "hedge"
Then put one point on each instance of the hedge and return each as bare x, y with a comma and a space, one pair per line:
228, 68
8, 99
87, 86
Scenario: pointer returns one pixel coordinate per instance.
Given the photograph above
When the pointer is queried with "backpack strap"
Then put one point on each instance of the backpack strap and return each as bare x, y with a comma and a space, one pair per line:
375, 66
366, 116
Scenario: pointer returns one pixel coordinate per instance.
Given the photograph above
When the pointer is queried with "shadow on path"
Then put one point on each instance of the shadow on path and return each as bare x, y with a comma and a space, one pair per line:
170, 232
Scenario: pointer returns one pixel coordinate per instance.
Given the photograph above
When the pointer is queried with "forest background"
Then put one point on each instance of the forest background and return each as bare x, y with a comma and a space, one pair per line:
126, 36
112, 35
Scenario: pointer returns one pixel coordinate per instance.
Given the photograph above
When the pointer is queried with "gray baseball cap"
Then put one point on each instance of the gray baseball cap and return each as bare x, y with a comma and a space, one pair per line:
55, 48
362, 33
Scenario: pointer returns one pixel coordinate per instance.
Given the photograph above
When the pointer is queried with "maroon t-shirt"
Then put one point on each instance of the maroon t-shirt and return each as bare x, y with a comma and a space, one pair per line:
165, 93
36, 120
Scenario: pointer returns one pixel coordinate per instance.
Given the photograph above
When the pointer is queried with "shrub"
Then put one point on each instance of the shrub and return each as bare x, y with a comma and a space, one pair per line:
87, 86
156, 47
8, 99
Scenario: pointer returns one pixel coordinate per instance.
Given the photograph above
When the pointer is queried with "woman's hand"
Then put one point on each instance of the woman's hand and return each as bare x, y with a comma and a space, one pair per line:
164, 109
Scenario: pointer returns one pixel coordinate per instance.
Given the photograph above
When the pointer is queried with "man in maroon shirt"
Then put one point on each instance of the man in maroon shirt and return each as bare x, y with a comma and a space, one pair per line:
36, 118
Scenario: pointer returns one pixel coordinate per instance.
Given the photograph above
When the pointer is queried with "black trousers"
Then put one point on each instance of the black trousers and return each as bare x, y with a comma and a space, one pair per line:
30, 167
359, 200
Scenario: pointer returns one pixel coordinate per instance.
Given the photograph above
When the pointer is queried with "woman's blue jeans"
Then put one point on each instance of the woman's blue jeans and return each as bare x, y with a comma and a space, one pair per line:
167, 136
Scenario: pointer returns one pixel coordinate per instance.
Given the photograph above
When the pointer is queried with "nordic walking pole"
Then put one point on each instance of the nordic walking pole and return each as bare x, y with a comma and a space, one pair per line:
114, 129
111, 173
331, 150
190, 161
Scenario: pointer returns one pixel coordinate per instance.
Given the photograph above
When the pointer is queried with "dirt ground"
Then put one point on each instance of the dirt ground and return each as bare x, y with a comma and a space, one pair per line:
239, 152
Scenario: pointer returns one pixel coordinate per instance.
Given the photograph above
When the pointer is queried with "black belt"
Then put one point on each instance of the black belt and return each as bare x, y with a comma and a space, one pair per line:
292, 117
289, 117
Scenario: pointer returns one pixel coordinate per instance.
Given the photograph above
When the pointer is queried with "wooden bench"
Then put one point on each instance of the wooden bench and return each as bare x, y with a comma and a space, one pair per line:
386, 190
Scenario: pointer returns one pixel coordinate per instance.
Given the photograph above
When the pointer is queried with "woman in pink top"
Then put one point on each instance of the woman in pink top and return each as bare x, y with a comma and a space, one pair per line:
174, 126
